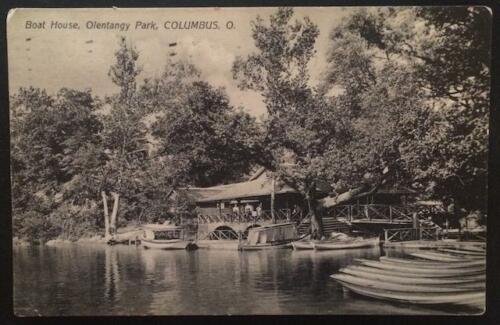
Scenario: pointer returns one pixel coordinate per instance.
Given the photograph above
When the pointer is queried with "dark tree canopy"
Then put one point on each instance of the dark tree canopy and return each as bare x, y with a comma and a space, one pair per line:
447, 53
207, 140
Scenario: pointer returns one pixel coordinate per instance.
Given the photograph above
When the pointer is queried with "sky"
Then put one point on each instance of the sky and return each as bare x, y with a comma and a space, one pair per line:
52, 58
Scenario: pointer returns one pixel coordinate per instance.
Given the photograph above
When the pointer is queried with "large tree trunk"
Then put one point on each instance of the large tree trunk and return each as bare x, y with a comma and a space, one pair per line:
273, 216
116, 199
358, 192
316, 221
107, 234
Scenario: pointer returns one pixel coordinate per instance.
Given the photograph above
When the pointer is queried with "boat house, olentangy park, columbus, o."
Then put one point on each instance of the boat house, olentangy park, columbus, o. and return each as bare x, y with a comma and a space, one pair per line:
224, 211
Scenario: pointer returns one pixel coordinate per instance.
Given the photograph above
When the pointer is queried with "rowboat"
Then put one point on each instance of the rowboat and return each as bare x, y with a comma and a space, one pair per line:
302, 244
463, 298
408, 288
269, 237
431, 265
167, 237
259, 247
346, 244
408, 274
173, 244
423, 271
439, 257
470, 280
481, 249
462, 252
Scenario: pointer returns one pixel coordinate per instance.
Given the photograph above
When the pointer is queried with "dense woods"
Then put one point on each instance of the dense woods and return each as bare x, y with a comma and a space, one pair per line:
404, 100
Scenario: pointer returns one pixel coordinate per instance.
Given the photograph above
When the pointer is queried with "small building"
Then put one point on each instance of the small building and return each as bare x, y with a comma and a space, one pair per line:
249, 197
389, 204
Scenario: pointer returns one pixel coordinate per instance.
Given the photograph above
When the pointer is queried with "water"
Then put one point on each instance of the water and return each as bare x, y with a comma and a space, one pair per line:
128, 280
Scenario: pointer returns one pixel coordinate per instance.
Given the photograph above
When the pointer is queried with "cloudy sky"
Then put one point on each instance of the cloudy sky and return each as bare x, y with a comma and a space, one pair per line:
54, 58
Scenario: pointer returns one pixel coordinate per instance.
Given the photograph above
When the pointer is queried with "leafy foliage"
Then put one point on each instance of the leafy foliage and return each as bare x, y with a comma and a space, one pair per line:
404, 100
445, 151
205, 138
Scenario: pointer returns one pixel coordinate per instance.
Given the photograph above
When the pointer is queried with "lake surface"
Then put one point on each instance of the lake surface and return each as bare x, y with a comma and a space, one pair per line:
83, 279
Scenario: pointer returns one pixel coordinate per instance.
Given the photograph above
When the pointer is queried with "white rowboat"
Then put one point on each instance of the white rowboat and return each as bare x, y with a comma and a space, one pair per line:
430, 264
409, 275
357, 243
462, 252
302, 245
463, 298
473, 280
377, 284
439, 257
173, 244
423, 271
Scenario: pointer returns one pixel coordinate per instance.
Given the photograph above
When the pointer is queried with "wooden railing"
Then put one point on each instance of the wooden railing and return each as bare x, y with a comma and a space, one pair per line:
221, 234
407, 234
281, 215
390, 213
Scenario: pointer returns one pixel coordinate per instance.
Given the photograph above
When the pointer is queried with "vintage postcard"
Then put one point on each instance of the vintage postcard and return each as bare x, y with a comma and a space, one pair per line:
241, 161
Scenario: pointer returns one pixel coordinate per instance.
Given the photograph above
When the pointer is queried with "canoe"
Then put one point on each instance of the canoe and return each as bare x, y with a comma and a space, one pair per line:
302, 244
357, 243
440, 257
173, 244
407, 274
463, 298
423, 271
431, 265
481, 249
461, 252
409, 288
468, 281
258, 247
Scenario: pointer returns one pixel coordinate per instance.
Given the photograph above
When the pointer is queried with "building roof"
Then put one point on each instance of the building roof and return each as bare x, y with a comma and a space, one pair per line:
260, 186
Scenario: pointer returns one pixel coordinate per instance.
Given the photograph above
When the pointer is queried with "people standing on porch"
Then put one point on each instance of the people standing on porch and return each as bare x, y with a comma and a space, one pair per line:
259, 209
236, 209
248, 208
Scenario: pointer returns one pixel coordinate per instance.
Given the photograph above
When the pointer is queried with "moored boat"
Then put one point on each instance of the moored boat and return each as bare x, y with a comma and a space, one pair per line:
430, 264
463, 297
270, 237
302, 245
167, 237
407, 274
345, 244
406, 287
440, 257
470, 280
424, 271
462, 252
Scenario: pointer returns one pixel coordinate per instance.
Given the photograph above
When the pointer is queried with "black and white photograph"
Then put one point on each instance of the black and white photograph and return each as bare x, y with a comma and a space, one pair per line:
249, 160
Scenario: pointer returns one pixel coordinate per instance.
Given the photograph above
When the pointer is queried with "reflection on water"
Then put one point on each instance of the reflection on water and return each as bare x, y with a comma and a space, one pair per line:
128, 280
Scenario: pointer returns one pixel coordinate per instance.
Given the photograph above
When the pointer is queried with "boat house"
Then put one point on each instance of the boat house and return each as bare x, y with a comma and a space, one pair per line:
244, 201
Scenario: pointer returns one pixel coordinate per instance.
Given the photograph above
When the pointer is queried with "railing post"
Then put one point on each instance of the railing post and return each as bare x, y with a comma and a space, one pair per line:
386, 236
390, 213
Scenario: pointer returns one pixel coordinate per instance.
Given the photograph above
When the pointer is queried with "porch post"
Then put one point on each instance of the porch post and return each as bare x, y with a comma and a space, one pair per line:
273, 217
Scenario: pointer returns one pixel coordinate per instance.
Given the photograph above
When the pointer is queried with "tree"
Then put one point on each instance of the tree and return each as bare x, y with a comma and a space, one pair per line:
206, 140
47, 132
123, 136
446, 154
300, 126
